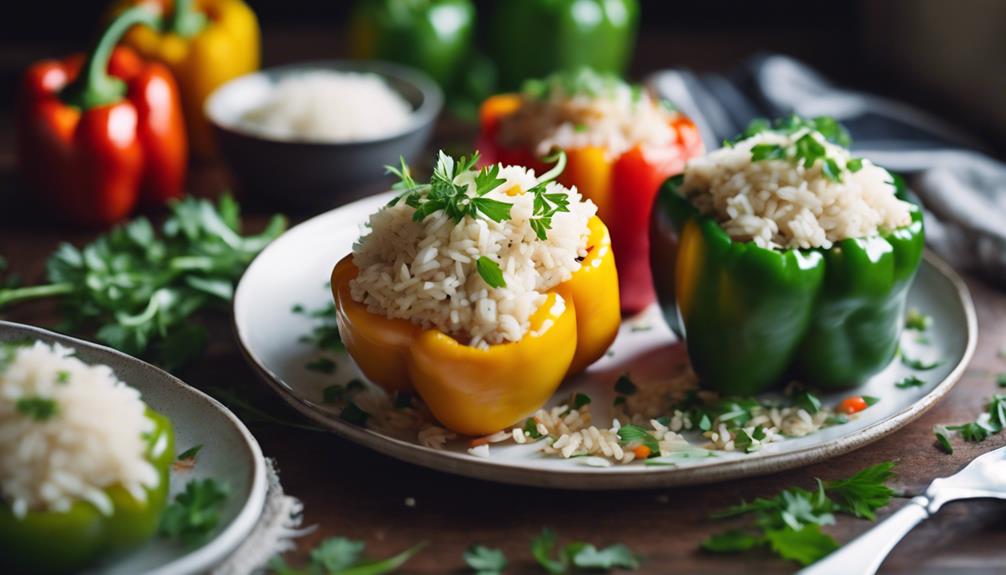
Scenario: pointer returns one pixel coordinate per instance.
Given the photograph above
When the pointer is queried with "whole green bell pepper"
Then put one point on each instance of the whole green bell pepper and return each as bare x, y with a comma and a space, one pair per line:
533, 38
433, 35
65, 542
753, 316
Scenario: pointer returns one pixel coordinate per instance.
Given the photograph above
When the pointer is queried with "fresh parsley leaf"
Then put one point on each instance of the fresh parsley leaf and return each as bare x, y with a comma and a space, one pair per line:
807, 401
495, 210
490, 272
974, 431
341, 556
731, 541
809, 150
337, 554
908, 382
485, 560
586, 556
918, 364
324, 335
767, 152
37, 408
916, 320
854, 164
624, 385
580, 400
746, 440
322, 365
636, 435
805, 546
531, 428
864, 492
996, 410
195, 512
943, 439
354, 415
831, 170
63, 376
190, 453
870, 400
542, 549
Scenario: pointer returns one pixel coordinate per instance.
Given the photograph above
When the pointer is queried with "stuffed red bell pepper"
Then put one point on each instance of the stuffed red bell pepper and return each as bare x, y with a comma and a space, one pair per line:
99, 134
621, 144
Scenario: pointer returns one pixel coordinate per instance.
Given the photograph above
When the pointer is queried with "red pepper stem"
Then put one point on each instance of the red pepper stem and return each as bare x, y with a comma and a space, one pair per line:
186, 20
94, 86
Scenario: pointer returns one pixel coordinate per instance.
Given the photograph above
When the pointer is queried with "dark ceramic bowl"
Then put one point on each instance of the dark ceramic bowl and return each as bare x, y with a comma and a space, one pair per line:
311, 175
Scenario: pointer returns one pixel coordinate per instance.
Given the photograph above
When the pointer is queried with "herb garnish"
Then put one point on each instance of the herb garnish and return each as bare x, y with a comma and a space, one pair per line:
37, 408
190, 453
789, 523
992, 421
324, 334
943, 439
63, 376
919, 364
910, 381
633, 435
806, 149
341, 556
322, 365
195, 512
917, 321
485, 560
579, 555
624, 385
530, 428
490, 272
139, 289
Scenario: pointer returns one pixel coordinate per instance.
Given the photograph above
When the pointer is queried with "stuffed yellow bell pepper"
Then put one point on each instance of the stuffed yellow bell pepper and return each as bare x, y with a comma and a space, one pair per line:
481, 390
205, 43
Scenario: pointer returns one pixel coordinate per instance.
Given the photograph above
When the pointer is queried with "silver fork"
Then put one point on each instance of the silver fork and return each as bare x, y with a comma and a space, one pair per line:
984, 477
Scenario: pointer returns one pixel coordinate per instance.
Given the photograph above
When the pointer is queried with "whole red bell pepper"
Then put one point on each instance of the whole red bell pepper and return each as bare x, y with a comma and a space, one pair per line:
98, 135
623, 188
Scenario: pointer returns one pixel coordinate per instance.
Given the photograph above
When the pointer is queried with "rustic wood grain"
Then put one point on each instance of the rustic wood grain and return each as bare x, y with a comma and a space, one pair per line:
350, 491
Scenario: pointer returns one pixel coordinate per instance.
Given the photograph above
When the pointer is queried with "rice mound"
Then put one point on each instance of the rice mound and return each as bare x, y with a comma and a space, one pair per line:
425, 272
780, 204
615, 119
92, 442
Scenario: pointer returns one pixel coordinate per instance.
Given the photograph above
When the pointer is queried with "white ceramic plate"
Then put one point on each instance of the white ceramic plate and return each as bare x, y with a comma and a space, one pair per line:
295, 268
229, 454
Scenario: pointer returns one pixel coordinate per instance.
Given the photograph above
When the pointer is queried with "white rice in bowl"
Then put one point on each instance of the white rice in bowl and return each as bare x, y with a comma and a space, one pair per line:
329, 106
84, 435
783, 204
585, 109
426, 272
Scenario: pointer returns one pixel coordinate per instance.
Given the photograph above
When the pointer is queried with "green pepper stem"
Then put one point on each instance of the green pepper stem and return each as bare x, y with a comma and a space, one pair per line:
186, 20
94, 86
14, 295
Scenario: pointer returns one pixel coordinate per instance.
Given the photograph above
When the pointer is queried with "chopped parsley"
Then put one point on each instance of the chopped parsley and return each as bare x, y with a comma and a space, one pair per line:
908, 382
580, 400
807, 401
789, 524
63, 376
485, 560
583, 81
531, 428
870, 400
807, 149
579, 555
37, 408
324, 334
624, 385
342, 556
490, 272
322, 365
190, 453
943, 439
195, 512
919, 364
992, 421
917, 321
633, 435
353, 414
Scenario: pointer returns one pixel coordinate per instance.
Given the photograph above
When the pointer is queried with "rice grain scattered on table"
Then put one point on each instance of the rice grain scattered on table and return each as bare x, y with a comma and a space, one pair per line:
88, 437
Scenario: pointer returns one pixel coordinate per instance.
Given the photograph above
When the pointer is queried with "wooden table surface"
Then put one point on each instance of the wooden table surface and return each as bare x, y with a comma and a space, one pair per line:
350, 491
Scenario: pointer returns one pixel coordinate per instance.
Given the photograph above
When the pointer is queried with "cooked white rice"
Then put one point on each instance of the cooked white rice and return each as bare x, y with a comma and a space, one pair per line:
426, 272
782, 204
329, 106
615, 117
93, 440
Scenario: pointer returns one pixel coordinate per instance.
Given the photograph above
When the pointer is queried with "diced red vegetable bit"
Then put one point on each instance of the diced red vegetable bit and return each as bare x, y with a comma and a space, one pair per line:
853, 404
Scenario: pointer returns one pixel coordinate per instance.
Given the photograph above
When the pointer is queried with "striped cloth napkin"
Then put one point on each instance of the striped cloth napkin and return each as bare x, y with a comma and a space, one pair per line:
963, 190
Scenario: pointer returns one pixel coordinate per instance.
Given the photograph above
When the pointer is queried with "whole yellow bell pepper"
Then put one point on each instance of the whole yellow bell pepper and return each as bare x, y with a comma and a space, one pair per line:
478, 391
205, 43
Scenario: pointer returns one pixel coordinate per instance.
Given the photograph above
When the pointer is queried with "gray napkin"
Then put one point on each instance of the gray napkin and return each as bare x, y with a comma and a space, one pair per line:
963, 190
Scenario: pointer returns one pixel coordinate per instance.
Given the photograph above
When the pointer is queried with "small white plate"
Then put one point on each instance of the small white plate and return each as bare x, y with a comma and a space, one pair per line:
295, 268
229, 454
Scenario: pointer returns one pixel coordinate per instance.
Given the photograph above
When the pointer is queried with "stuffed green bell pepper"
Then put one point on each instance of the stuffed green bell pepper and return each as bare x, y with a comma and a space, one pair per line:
95, 482
782, 256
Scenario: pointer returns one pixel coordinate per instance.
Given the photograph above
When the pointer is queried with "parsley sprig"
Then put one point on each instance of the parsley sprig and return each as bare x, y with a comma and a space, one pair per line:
139, 289
342, 556
790, 523
990, 422
807, 149
195, 513
579, 555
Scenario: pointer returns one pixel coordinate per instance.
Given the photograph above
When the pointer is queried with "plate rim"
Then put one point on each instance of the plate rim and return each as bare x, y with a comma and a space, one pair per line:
573, 478
216, 550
